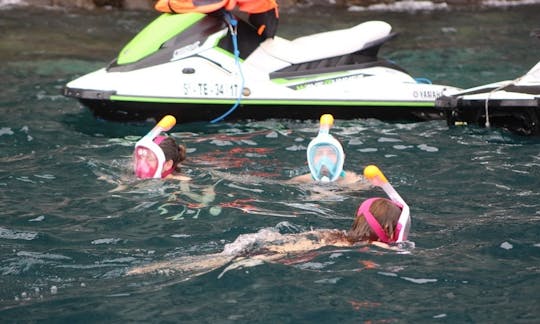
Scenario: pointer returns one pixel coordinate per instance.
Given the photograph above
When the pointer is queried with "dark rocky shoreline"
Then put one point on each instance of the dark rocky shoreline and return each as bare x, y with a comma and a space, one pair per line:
284, 4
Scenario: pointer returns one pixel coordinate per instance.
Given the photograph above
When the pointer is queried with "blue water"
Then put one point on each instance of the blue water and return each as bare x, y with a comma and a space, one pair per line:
73, 219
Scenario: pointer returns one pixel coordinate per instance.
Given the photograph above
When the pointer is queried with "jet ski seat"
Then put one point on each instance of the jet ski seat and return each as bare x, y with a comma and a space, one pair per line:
326, 44
532, 76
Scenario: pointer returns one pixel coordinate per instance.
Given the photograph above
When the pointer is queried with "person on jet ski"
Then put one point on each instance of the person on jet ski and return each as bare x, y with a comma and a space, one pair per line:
263, 14
325, 158
159, 156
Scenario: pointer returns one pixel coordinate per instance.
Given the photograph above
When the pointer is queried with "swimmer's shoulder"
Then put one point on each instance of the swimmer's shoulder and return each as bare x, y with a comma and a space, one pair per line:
352, 178
304, 178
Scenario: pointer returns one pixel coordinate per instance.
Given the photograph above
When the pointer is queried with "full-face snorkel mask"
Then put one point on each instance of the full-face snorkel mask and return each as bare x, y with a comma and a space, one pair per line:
325, 154
401, 232
148, 157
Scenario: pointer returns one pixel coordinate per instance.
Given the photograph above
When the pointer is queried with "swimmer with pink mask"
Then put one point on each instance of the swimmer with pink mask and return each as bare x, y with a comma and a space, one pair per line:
158, 156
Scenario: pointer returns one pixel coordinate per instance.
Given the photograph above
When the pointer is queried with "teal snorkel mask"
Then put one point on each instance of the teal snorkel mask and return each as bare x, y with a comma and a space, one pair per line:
325, 154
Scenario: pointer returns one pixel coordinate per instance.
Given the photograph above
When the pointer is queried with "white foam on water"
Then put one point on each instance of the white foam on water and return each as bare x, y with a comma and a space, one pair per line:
368, 150
8, 3
272, 134
402, 147
245, 242
9, 234
231, 185
249, 142
427, 148
355, 141
328, 280
419, 280
335, 255
295, 148
180, 235
313, 265
388, 140
47, 256
506, 246
387, 274
221, 143
45, 176
106, 241
6, 131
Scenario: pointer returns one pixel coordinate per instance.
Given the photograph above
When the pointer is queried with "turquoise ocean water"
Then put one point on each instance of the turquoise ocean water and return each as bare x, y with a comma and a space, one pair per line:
73, 219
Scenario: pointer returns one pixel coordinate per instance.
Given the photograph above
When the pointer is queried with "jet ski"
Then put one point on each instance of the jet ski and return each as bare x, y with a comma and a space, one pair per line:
512, 105
208, 67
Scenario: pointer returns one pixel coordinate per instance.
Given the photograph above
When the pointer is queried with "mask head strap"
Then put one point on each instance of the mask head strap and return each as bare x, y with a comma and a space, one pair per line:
374, 224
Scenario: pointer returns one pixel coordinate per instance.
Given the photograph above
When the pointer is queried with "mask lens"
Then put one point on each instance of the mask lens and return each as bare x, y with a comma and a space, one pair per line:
145, 162
325, 158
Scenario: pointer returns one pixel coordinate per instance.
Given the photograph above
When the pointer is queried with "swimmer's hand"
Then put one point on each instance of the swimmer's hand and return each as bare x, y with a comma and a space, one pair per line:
385, 246
178, 177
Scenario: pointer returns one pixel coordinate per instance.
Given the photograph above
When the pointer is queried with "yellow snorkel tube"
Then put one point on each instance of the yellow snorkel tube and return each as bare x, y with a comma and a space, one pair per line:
164, 125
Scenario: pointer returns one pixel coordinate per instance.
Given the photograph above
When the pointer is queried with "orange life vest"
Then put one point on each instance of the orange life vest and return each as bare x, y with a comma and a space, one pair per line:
185, 6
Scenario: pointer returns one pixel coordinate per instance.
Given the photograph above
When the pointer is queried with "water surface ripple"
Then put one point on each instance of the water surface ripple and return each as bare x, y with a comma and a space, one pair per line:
73, 218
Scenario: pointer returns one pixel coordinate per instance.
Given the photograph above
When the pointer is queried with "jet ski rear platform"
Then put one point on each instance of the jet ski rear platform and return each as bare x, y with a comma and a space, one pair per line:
513, 105
185, 65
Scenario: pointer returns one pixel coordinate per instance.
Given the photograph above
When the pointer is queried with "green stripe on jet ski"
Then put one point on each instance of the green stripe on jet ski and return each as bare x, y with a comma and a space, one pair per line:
277, 102
314, 77
155, 34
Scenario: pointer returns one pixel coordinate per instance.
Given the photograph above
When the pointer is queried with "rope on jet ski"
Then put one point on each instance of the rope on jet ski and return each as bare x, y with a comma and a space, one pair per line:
486, 105
233, 24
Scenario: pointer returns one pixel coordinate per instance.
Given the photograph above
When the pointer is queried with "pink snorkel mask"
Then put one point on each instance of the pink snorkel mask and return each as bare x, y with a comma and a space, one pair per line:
148, 157
401, 232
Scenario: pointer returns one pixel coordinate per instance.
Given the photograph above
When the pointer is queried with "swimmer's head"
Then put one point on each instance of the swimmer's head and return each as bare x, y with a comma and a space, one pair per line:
325, 154
325, 158
174, 153
148, 158
157, 158
377, 220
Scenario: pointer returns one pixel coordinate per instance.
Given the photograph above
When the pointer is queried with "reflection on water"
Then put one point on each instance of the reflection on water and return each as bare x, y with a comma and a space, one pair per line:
74, 218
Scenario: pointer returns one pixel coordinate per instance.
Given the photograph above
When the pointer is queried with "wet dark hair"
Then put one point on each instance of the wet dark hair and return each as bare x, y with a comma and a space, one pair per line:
173, 151
386, 213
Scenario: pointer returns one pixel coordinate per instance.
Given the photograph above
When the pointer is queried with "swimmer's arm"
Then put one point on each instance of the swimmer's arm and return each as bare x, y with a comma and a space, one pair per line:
110, 180
197, 265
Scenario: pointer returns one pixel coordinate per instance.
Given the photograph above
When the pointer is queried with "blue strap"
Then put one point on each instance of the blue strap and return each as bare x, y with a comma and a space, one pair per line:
233, 23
